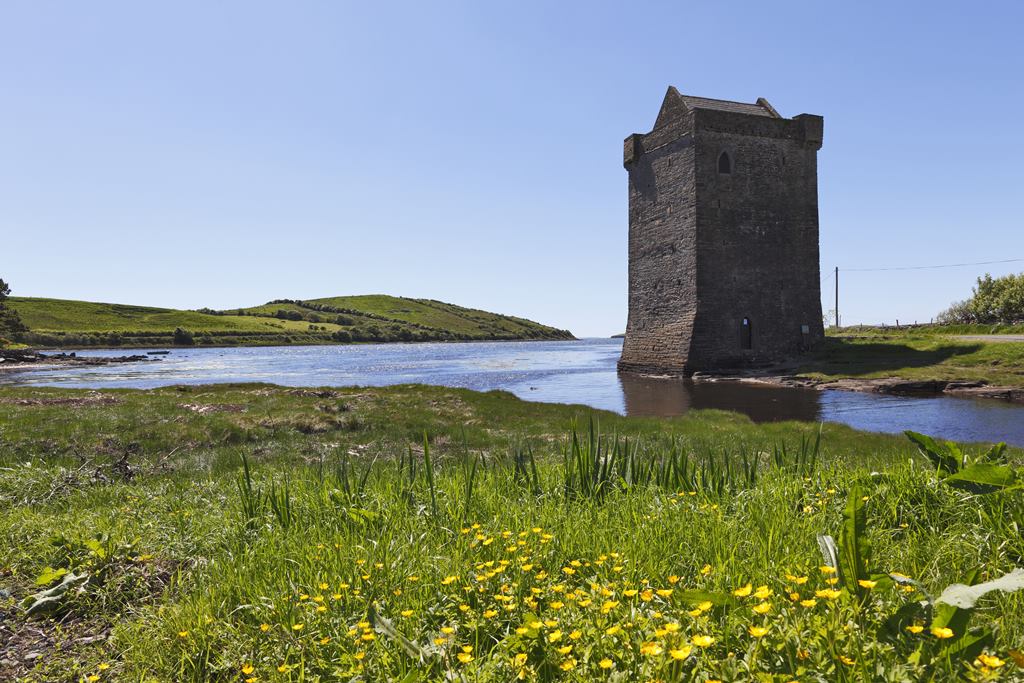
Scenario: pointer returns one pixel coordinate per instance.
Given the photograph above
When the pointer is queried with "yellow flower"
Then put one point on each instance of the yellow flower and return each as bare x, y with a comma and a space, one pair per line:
612, 630
757, 631
567, 665
848, 661
825, 569
915, 628
564, 650
762, 592
554, 636
569, 570
407, 613
556, 605
810, 602
183, 634
651, 649
702, 641
673, 579
447, 630
762, 607
705, 570
608, 606
828, 594
248, 669
672, 627
283, 668
606, 663
576, 635
103, 667
92, 678
449, 580
630, 593
743, 591
298, 627
867, 583
681, 653
664, 592
490, 614
519, 659
465, 657
798, 580
646, 595
990, 661
264, 627
941, 632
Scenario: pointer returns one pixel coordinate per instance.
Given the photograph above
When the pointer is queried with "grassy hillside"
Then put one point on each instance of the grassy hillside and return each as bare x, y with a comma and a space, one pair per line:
60, 322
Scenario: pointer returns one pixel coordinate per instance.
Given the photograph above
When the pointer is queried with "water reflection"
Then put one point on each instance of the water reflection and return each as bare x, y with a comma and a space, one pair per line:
663, 397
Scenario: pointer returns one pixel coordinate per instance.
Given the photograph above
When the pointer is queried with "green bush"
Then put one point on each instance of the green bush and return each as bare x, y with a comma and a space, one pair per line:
995, 300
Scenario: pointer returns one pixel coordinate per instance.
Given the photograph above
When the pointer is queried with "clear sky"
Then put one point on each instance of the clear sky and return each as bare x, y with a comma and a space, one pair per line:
223, 154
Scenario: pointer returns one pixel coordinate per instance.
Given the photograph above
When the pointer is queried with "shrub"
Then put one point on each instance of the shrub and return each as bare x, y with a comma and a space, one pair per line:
183, 337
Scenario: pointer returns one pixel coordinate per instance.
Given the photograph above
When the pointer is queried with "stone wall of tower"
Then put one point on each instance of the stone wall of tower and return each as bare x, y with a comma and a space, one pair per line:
662, 252
757, 240
709, 249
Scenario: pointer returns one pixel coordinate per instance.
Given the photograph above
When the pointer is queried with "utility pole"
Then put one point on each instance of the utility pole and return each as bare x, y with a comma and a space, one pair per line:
837, 297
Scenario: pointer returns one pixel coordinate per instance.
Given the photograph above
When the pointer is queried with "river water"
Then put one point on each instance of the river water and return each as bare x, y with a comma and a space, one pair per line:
562, 372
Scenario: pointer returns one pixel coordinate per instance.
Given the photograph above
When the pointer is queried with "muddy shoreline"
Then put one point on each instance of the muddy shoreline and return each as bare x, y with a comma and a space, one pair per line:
893, 386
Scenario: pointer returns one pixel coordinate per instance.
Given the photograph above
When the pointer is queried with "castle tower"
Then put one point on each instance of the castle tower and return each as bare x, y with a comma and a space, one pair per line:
723, 237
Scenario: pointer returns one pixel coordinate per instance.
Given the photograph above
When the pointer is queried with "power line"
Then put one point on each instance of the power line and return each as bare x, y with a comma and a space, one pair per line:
946, 265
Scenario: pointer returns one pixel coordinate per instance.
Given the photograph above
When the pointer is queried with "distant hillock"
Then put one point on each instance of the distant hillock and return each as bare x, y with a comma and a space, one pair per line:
346, 319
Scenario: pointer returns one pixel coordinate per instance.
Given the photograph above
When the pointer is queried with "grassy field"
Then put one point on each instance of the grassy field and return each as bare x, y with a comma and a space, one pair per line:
916, 355
65, 323
257, 533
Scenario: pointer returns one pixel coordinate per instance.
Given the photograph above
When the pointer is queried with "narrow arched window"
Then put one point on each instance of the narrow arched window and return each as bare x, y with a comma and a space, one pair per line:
724, 163
746, 336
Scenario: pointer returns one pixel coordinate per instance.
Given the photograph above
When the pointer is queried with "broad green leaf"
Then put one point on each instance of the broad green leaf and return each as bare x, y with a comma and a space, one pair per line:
983, 478
49, 575
968, 647
996, 454
938, 454
854, 549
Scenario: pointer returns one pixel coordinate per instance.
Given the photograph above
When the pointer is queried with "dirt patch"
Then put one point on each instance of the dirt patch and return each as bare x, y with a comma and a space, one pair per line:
33, 649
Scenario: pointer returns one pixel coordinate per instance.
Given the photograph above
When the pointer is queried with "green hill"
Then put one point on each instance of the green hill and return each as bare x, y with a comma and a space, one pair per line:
371, 318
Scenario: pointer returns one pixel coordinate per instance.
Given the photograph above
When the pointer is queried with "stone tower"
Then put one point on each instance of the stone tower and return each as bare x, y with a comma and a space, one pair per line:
723, 237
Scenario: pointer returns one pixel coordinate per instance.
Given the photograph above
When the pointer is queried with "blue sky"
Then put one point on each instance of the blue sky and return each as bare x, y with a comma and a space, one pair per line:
225, 154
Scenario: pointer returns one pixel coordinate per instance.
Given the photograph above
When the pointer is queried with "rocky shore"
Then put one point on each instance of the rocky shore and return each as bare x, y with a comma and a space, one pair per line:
11, 359
889, 385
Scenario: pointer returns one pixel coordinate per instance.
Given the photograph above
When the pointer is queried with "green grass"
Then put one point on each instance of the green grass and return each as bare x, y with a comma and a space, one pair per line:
916, 357
62, 315
314, 535
65, 323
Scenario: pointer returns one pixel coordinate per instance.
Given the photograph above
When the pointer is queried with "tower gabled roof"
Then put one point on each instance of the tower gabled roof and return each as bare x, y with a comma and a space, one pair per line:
759, 108
673, 100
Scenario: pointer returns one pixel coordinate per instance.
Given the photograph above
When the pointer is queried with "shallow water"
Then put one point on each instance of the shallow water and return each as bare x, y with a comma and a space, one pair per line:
560, 372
